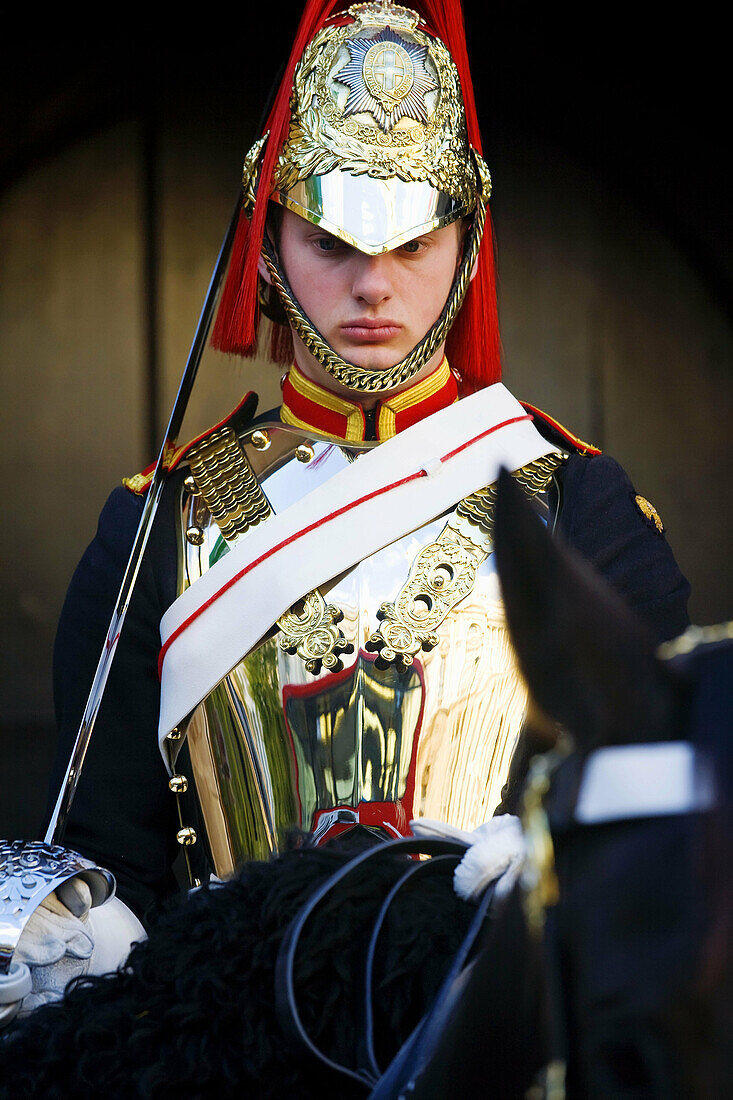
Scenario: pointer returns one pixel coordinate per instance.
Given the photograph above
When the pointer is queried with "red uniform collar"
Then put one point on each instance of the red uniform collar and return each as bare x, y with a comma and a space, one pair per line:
308, 405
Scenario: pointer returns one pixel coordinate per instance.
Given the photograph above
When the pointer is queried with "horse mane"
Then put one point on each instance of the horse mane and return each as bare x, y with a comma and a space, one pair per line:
194, 1007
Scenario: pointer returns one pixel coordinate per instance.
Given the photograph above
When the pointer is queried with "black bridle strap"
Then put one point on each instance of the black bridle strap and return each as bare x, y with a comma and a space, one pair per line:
285, 999
414, 1057
421, 868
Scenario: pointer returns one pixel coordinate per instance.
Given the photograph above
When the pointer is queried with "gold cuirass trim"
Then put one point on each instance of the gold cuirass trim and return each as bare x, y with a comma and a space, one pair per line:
444, 572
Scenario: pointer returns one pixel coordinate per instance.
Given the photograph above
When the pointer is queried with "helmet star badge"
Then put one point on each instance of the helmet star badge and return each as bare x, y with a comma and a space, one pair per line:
386, 77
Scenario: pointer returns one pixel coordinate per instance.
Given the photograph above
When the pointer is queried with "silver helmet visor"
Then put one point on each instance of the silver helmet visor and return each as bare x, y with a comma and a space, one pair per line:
372, 215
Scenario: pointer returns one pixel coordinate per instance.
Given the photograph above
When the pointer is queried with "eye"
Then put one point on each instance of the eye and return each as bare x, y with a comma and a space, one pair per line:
412, 246
326, 244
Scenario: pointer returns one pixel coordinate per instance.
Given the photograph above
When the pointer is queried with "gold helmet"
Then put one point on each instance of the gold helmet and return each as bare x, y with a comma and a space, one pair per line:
376, 152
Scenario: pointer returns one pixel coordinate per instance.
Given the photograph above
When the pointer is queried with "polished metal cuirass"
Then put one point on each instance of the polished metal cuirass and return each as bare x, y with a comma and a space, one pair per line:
320, 739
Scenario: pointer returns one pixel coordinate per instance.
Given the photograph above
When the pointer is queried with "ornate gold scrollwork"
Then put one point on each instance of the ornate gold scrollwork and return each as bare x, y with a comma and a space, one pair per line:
444, 572
325, 133
441, 575
225, 479
309, 629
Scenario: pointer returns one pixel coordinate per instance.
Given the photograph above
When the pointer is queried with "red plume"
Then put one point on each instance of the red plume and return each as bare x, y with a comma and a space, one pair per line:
473, 345
237, 318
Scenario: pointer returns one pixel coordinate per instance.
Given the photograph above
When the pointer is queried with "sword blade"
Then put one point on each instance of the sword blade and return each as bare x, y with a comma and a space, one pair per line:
60, 814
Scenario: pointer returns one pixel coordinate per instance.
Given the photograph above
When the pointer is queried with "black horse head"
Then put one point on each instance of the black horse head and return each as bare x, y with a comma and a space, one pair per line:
638, 959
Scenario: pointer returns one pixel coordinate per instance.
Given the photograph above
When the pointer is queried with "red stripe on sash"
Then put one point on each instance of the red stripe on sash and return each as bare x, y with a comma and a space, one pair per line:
319, 523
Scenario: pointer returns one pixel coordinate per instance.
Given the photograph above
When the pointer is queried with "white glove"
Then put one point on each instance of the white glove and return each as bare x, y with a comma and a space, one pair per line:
56, 944
65, 938
496, 849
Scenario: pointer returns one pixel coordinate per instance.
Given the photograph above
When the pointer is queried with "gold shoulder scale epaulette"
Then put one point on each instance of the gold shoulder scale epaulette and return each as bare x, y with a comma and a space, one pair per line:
244, 411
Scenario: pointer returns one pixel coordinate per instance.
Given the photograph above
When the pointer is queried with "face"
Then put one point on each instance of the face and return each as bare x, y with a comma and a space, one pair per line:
372, 310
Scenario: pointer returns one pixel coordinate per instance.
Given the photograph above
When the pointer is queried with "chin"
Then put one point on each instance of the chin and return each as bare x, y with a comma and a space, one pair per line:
372, 357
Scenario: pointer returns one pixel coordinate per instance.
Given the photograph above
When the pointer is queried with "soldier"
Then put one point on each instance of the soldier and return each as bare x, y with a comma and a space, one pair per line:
334, 653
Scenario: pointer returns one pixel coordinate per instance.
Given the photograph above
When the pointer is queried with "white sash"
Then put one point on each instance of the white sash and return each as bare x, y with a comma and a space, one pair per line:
396, 488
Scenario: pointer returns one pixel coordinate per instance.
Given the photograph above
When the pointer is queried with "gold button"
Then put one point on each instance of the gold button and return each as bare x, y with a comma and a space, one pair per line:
195, 535
190, 486
174, 735
186, 836
178, 784
304, 453
260, 440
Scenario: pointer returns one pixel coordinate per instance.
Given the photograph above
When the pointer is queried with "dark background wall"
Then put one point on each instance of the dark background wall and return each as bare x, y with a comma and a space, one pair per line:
119, 167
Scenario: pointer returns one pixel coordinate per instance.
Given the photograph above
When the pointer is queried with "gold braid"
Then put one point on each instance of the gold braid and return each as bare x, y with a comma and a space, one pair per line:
360, 378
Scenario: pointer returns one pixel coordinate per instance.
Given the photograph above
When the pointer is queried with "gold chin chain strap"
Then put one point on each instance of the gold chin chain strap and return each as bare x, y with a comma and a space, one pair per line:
359, 378
224, 477
444, 572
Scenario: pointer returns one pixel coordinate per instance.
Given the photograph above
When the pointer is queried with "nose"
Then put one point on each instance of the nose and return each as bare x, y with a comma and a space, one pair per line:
373, 279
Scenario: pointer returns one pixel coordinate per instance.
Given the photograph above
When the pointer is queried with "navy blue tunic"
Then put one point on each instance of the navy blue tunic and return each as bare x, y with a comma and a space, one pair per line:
123, 815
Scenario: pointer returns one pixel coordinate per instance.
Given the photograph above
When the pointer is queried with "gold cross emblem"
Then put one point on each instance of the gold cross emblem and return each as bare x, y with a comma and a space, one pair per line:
388, 72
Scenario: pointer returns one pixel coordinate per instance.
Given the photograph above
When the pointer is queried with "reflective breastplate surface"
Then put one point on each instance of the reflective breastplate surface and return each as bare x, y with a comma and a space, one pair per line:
275, 746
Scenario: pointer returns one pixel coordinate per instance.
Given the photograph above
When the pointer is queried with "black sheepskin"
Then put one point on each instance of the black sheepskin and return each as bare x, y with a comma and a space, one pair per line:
193, 1011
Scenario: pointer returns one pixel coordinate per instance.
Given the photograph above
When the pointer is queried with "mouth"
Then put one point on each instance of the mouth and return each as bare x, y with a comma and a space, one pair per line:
366, 330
